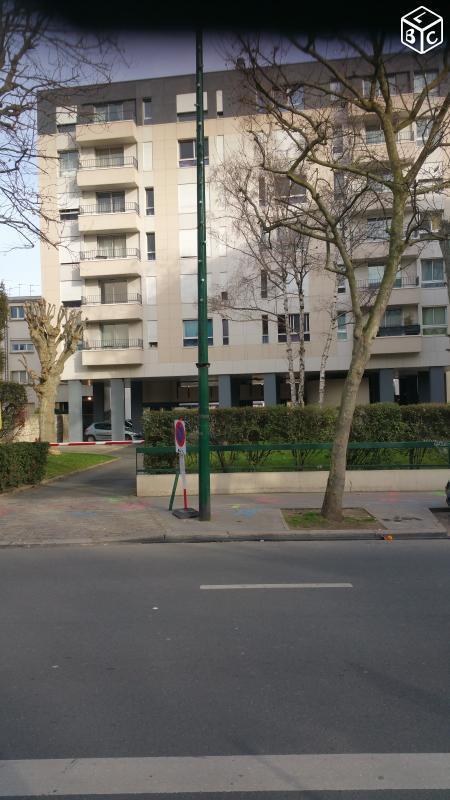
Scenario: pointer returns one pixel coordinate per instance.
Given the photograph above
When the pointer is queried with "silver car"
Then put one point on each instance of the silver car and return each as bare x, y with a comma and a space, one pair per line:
101, 432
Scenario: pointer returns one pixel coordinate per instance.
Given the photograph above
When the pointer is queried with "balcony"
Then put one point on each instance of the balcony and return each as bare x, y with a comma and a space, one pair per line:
96, 309
405, 291
107, 353
98, 219
113, 172
393, 339
102, 263
119, 131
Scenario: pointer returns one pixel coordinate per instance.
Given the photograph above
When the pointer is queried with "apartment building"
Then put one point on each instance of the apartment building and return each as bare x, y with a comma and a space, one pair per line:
120, 175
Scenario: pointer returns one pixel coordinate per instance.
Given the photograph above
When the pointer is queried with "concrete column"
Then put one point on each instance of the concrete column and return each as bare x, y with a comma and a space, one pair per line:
225, 391
270, 389
75, 412
437, 385
98, 394
127, 387
117, 409
387, 386
136, 404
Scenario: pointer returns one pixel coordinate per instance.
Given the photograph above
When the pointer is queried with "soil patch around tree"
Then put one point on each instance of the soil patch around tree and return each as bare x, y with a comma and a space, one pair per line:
304, 518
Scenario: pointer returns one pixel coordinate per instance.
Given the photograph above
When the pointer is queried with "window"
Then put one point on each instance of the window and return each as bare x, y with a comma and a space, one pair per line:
147, 110
263, 284
374, 134
297, 97
336, 88
22, 347
68, 161
339, 184
190, 332
71, 303
17, 312
375, 273
423, 130
341, 285
423, 79
68, 213
150, 201
66, 127
294, 327
151, 253
434, 321
19, 376
188, 152
342, 325
115, 334
378, 227
338, 140
288, 191
265, 329
392, 318
110, 202
108, 112
114, 291
225, 331
262, 191
405, 134
432, 272
152, 331
111, 247
109, 157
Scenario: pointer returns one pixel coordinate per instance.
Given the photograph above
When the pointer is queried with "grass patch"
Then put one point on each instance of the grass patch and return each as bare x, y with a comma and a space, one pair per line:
299, 518
64, 463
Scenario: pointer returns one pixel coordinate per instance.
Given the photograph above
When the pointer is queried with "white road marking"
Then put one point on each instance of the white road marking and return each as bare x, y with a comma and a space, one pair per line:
220, 586
263, 773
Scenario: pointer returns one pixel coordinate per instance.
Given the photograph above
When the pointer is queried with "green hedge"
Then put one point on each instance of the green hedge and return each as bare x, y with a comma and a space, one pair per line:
22, 463
377, 422
13, 401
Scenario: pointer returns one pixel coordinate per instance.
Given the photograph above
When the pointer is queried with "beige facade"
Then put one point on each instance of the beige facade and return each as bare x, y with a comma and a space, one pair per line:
124, 187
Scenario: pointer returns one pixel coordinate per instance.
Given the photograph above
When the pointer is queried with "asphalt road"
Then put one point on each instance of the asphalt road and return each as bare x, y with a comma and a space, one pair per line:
117, 653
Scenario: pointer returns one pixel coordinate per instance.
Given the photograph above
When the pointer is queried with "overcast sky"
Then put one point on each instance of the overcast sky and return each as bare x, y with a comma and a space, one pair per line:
146, 56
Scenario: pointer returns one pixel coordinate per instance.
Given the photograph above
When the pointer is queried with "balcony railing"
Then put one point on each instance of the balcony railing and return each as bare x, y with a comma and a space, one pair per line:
96, 299
93, 255
108, 162
98, 118
120, 208
113, 344
400, 283
399, 330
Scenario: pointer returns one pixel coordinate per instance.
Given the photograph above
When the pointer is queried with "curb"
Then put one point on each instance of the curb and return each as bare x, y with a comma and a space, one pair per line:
204, 538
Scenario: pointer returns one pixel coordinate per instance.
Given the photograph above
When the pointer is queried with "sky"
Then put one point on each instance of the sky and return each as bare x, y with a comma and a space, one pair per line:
145, 56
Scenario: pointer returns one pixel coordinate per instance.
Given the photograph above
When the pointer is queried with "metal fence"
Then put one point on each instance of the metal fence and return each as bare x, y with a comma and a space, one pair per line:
297, 456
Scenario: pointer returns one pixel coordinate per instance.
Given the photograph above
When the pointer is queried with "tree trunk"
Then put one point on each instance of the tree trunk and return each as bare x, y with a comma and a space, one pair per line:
289, 353
332, 502
327, 346
301, 350
47, 430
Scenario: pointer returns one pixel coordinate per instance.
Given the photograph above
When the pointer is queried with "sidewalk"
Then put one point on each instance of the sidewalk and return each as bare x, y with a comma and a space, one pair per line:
99, 506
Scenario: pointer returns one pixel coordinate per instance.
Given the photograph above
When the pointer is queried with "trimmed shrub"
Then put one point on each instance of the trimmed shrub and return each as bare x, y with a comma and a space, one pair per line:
22, 463
13, 401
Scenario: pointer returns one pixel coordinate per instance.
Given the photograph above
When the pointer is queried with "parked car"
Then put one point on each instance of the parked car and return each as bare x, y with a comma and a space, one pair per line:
101, 432
447, 493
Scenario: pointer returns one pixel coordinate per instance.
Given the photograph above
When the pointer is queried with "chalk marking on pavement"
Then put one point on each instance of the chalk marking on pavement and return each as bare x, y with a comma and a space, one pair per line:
209, 774
229, 586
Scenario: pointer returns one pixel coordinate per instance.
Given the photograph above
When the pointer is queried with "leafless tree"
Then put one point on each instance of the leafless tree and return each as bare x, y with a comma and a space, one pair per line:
357, 126
271, 269
56, 334
37, 54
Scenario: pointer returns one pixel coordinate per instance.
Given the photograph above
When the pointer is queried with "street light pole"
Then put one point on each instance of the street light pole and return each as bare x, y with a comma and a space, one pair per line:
202, 314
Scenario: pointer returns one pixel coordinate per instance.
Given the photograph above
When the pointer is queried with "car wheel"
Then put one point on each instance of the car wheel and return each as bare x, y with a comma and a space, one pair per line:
127, 437
91, 438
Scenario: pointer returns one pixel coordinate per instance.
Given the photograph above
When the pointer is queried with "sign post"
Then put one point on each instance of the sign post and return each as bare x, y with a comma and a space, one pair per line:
180, 448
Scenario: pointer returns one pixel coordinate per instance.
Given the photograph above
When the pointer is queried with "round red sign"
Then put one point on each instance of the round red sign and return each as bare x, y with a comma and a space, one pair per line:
180, 433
